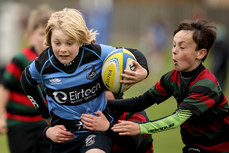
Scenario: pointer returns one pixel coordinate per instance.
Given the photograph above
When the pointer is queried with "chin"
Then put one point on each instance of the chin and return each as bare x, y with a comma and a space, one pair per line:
64, 62
178, 69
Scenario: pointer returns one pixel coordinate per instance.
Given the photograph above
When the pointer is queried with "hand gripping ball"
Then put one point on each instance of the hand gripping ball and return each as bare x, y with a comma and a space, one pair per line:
114, 65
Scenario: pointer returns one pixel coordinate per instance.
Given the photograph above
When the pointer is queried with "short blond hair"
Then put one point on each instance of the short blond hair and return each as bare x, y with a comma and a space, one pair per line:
72, 23
39, 17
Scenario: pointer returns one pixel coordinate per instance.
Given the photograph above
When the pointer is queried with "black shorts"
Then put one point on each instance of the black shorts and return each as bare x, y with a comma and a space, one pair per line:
28, 138
83, 143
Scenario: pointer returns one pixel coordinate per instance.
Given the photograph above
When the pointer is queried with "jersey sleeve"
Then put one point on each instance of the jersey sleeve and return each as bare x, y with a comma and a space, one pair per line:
12, 73
30, 79
135, 104
157, 94
32, 73
166, 123
105, 50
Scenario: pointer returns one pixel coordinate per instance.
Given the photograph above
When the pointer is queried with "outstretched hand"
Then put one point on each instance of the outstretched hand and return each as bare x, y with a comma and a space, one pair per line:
126, 128
95, 123
3, 124
133, 77
59, 134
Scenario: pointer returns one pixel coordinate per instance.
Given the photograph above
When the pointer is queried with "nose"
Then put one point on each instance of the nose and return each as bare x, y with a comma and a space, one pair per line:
63, 48
174, 50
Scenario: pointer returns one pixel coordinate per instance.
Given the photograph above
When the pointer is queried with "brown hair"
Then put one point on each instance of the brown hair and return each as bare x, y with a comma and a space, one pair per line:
204, 34
39, 17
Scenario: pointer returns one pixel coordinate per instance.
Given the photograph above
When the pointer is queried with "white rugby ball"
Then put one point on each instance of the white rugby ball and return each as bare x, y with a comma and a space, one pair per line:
114, 65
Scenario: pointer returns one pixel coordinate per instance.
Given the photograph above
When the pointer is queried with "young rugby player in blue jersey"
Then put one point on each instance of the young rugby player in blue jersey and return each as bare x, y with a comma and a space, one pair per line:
70, 69
203, 111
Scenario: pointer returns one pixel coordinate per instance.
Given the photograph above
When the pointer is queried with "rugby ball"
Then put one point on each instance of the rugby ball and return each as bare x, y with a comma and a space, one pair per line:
113, 66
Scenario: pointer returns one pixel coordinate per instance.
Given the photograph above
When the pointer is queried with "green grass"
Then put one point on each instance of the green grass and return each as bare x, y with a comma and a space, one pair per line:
3, 144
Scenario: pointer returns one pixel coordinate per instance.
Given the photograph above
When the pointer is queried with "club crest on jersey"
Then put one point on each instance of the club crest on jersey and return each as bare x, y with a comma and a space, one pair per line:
90, 140
54, 81
90, 72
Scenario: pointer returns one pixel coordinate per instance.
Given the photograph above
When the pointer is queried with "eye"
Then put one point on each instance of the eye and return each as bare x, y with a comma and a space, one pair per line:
57, 43
182, 47
42, 34
69, 43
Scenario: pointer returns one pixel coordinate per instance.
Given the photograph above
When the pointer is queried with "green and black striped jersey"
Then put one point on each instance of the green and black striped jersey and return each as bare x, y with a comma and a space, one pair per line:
19, 108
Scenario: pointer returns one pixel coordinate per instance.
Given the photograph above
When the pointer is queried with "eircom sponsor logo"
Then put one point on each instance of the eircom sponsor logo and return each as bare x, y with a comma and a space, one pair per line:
74, 97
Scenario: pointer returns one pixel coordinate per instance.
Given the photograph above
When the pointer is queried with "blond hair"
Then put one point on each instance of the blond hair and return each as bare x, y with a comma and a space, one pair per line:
39, 17
72, 23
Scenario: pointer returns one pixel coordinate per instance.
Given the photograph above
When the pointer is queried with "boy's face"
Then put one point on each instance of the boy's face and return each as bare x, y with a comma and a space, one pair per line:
37, 38
185, 56
65, 48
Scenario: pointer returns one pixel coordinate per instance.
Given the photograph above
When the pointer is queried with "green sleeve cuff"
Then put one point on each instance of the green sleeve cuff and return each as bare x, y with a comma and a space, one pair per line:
169, 122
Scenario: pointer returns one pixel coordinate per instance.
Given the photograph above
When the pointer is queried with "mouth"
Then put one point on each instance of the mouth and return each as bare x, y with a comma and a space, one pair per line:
174, 62
64, 56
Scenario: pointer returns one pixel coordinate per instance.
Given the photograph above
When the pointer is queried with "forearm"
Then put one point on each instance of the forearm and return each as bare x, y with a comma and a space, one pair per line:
4, 95
170, 122
35, 95
135, 104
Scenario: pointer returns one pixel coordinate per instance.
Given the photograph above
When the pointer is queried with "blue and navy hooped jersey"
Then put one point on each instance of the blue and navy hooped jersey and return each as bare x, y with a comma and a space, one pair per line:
75, 88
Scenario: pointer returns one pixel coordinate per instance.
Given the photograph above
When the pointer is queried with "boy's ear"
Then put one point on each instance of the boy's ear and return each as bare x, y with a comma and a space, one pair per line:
201, 54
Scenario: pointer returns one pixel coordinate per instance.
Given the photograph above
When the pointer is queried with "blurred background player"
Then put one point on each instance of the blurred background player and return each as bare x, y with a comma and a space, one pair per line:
220, 54
18, 117
121, 144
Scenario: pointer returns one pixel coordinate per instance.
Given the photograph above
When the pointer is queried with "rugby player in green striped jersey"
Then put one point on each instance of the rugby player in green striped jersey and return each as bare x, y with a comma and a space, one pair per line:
202, 108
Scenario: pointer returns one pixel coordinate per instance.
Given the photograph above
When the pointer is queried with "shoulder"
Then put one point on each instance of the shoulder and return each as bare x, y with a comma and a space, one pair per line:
97, 50
93, 47
205, 78
172, 75
43, 58
20, 61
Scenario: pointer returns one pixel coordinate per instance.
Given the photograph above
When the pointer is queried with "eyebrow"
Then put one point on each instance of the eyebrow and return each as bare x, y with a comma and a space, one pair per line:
56, 39
181, 42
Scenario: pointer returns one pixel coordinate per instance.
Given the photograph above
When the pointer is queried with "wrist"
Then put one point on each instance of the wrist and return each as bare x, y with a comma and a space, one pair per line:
143, 130
45, 134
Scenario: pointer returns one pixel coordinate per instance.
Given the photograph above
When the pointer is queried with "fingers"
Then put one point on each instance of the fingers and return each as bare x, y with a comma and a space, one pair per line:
95, 123
130, 77
99, 113
121, 128
136, 64
3, 130
59, 134
88, 121
3, 126
126, 128
63, 137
